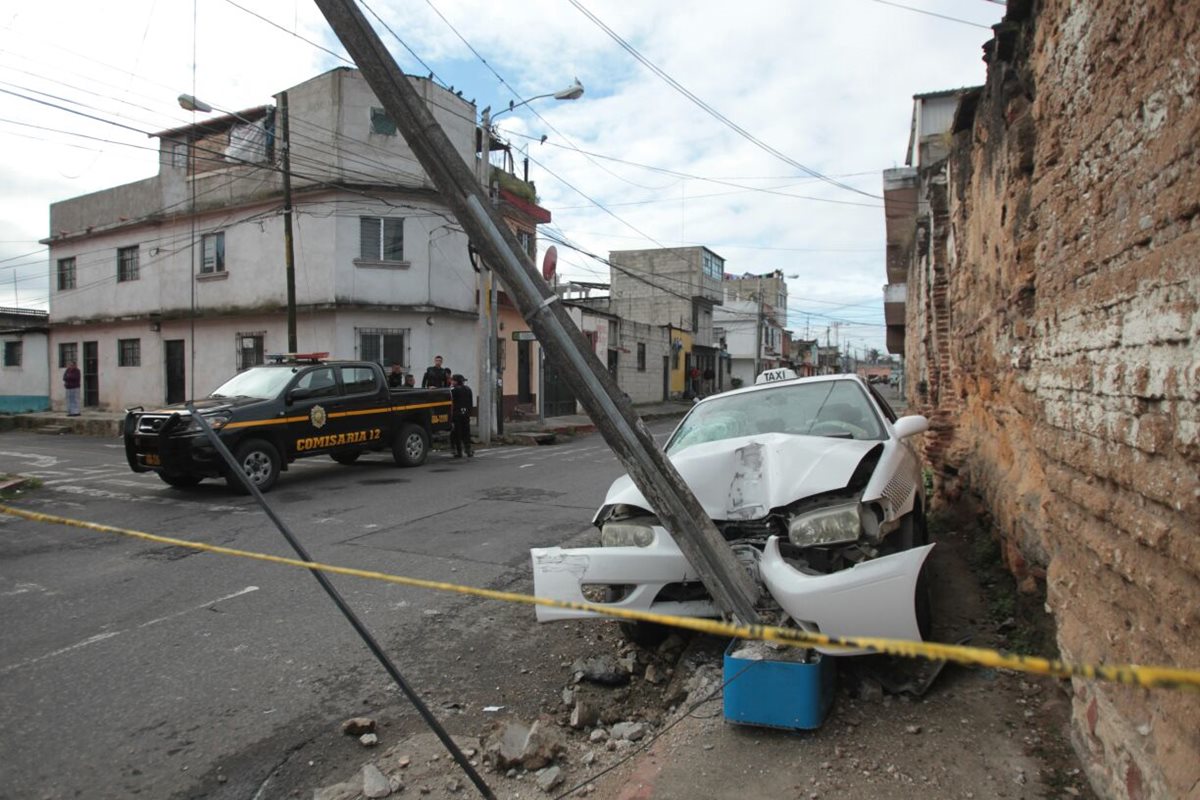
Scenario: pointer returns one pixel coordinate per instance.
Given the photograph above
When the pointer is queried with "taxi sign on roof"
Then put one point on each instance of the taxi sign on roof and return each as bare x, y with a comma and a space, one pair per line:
772, 375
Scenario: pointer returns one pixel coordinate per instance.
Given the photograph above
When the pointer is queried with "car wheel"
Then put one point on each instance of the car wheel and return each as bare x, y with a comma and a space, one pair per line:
347, 457
411, 445
259, 461
179, 481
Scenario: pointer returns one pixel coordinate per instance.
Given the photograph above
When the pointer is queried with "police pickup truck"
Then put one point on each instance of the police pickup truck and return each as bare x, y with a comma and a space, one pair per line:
298, 406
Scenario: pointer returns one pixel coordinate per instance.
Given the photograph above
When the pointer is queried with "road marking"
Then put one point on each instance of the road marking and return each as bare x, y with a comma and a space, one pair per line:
35, 460
100, 637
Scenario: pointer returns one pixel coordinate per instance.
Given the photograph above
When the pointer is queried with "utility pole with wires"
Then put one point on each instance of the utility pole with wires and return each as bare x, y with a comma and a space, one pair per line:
288, 254
562, 343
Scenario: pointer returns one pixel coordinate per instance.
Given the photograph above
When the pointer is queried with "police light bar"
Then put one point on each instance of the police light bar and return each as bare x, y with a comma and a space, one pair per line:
280, 358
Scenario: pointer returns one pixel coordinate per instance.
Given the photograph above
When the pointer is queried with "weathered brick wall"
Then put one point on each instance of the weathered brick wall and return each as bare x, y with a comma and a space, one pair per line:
1072, 360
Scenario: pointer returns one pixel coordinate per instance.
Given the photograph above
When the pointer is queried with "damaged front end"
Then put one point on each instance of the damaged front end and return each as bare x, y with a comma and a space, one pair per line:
829, 529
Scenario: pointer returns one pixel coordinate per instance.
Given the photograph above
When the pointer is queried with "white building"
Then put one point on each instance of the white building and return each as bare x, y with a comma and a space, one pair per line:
163, 288
24, 361
753, 319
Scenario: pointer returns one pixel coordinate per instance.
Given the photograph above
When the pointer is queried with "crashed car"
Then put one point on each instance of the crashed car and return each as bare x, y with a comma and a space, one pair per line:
813, 485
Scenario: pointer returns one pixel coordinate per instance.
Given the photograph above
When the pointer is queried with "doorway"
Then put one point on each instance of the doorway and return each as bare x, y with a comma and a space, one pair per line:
176, 374
91, 374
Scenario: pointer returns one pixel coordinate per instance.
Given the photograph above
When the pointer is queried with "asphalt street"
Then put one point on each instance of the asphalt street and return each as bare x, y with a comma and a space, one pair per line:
130, 668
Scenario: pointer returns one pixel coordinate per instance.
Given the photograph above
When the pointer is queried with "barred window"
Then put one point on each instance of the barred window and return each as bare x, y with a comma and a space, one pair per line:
641, 356
67, 352
12, 354
384, 346
127, 264
66, 273
129, 352
249, 348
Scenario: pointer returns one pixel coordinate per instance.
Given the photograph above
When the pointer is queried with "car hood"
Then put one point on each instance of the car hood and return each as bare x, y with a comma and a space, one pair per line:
746, 477
210, 405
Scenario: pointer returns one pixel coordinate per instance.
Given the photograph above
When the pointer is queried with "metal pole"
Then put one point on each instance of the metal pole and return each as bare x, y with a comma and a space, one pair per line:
656, 477
485, 325
289, 257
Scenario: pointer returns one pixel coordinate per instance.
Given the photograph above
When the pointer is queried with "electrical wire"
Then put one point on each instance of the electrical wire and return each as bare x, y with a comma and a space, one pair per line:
708, 109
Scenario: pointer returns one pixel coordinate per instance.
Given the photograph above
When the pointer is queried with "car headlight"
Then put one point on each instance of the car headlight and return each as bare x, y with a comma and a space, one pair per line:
627, 533
215, 421
830, 525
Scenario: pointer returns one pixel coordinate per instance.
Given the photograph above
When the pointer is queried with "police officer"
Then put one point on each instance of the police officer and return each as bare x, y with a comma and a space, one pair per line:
435, 375
461, 400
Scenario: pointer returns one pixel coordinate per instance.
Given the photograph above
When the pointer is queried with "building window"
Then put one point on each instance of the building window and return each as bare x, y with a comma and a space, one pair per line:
528, 243
176, 153
67, 353
66, 273
641, 356
127, 264
250, 349
381, 238
384, 346
381, 123
12, 354
129, 352
714, 266
212, 253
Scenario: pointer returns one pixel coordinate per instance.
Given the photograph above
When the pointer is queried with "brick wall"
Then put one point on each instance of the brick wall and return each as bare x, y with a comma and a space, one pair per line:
1068, 370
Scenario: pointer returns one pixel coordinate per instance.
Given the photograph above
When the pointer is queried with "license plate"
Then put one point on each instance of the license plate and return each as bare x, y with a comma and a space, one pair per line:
152, 460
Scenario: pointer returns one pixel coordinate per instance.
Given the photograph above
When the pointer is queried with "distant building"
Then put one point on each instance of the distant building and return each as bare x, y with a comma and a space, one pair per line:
676, 287
168, 285
24, 361
754, 316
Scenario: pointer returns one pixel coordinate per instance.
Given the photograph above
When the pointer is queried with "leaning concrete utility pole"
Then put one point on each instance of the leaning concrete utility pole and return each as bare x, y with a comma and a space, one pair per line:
563, 344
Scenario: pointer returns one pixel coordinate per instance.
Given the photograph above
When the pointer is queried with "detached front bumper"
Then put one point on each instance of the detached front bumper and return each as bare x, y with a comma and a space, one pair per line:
561, 573
875, 598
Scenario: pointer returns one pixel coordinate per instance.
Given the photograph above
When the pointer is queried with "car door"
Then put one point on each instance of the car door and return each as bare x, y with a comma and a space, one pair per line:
314, 415
365, 415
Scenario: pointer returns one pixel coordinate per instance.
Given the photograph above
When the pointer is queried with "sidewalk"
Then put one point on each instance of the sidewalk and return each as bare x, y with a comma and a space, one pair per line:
108, 423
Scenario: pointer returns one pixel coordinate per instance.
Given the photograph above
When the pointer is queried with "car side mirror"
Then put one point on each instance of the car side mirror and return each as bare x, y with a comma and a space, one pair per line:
910, 426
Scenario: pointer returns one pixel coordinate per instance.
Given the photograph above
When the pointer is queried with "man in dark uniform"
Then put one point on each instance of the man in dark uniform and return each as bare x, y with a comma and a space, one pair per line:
395, 376
461, 400
435, 376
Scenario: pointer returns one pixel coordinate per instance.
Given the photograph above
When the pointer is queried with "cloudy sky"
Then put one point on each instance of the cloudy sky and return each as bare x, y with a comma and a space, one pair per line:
824, 86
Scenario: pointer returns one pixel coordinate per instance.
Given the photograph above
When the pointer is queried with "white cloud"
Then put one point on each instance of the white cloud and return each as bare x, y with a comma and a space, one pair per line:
827, 82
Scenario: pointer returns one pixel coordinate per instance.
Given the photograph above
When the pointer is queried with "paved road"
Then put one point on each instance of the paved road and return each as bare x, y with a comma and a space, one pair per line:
133, 668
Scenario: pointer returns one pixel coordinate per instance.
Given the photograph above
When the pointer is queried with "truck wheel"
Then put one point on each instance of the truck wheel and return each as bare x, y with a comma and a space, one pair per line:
179, 481
259, 461
411, 445
346, 457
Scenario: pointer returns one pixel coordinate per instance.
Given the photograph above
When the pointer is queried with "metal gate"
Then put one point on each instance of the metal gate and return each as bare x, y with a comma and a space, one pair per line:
175, 369
560, 400
91, 374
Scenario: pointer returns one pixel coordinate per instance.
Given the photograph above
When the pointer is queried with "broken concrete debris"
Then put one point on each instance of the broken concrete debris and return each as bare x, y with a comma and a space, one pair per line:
357, 726
375, 783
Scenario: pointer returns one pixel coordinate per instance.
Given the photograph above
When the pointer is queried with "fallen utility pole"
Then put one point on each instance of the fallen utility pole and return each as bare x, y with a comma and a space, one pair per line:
564, 346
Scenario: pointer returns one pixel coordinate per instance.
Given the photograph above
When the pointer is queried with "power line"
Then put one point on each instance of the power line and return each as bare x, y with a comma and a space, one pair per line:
674, 84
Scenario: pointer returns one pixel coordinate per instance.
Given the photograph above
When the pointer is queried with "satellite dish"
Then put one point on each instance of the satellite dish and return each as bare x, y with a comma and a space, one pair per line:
549, 262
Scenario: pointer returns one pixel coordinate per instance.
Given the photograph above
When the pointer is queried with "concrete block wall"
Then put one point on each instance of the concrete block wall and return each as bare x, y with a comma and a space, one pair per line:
1069, 368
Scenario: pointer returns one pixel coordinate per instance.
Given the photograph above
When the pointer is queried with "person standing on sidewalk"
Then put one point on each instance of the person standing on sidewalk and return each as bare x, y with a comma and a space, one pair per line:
461, 399
71, 381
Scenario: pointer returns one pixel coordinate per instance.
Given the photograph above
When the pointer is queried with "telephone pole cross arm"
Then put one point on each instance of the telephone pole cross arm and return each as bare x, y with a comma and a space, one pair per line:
566, 349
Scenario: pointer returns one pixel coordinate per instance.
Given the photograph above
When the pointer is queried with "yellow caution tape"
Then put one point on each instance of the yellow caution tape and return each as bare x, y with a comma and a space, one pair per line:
1150, 677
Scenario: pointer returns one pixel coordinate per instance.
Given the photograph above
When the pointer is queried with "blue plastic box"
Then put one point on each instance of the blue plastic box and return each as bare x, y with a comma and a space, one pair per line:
778, 694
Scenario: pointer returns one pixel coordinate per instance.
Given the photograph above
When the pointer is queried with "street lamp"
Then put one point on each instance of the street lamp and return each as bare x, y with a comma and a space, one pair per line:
488, 300
192, 103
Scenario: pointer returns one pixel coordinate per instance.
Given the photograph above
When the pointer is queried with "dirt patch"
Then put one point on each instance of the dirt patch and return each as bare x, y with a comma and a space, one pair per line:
650, 723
